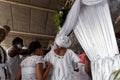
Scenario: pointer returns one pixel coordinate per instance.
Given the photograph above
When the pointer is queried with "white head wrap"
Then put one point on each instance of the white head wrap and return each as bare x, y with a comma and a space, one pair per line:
63, 41
1, 27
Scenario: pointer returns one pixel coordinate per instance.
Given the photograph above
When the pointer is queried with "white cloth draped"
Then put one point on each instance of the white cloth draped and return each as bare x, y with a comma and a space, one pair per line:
91, 2
71, 20
94, 30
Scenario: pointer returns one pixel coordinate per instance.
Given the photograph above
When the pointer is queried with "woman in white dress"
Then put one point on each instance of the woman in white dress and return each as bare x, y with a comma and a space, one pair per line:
31, 68
63, 60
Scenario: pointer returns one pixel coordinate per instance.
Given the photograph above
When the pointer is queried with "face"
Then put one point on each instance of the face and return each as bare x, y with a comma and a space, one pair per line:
2, 35
40, 51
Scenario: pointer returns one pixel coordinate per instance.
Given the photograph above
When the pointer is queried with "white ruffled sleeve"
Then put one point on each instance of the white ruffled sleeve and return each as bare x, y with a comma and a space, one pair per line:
39, 59
48, 56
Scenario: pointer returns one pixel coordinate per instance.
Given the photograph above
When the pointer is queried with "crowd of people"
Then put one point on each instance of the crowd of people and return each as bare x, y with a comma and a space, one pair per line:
32, 63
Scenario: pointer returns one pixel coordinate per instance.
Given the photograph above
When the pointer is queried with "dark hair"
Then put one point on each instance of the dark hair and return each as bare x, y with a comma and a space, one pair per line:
45, 52
17, 40
24, 52
34, 45
7, 28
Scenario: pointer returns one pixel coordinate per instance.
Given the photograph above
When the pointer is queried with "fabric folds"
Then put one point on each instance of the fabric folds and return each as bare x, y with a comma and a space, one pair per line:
91, 22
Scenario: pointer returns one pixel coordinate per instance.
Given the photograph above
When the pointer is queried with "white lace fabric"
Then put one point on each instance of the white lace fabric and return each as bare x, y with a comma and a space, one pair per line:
28, 67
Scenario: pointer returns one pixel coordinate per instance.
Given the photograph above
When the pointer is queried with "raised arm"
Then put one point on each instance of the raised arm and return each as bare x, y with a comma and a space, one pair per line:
13, 51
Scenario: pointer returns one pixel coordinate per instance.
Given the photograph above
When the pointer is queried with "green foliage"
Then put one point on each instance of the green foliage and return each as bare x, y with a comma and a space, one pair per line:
60, 17
115, 75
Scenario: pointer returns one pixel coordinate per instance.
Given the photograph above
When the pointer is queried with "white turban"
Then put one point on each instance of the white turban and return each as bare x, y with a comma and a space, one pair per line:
63, 41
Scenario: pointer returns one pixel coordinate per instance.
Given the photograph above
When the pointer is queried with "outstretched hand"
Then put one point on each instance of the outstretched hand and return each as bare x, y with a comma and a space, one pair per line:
48, 64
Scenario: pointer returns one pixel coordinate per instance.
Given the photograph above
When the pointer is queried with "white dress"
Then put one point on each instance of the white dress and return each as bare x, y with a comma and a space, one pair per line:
28, 67
81, 74
14, 63
62, 66
3, 66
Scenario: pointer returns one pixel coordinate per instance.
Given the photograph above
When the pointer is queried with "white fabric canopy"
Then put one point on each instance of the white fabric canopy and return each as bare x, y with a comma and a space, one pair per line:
93, 28
91, 2
71, 20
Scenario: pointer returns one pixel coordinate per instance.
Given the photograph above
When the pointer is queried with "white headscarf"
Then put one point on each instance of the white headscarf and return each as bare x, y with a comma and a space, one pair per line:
1, 27
63, 41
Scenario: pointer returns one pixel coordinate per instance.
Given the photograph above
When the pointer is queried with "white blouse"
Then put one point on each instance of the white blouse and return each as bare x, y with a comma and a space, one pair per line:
28, 67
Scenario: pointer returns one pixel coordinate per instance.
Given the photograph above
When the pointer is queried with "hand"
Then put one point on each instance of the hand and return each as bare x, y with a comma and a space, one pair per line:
48, 64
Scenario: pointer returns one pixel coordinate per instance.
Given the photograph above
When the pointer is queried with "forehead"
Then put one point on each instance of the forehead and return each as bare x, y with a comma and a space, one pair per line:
2, 30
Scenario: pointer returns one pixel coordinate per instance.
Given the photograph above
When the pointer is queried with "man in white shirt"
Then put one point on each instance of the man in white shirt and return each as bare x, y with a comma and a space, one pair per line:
13, 56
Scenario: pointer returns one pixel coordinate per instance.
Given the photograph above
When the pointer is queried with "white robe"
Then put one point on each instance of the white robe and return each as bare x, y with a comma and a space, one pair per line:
3, 66
14, 63
63, 66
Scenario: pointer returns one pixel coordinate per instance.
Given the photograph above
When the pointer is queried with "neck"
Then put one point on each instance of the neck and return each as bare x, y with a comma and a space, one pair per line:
36, 53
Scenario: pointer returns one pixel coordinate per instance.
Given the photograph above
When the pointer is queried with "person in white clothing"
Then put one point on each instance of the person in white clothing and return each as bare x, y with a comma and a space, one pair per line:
13, 56
31, 68
84, 72
63, 60
4, 68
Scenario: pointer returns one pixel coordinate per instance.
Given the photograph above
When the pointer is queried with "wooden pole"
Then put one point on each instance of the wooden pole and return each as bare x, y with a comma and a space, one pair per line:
25, 34
29, 6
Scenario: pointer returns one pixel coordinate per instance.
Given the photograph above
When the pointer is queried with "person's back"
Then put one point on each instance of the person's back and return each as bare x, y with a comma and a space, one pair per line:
31, 68
28, 67
13, 58
14, 63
